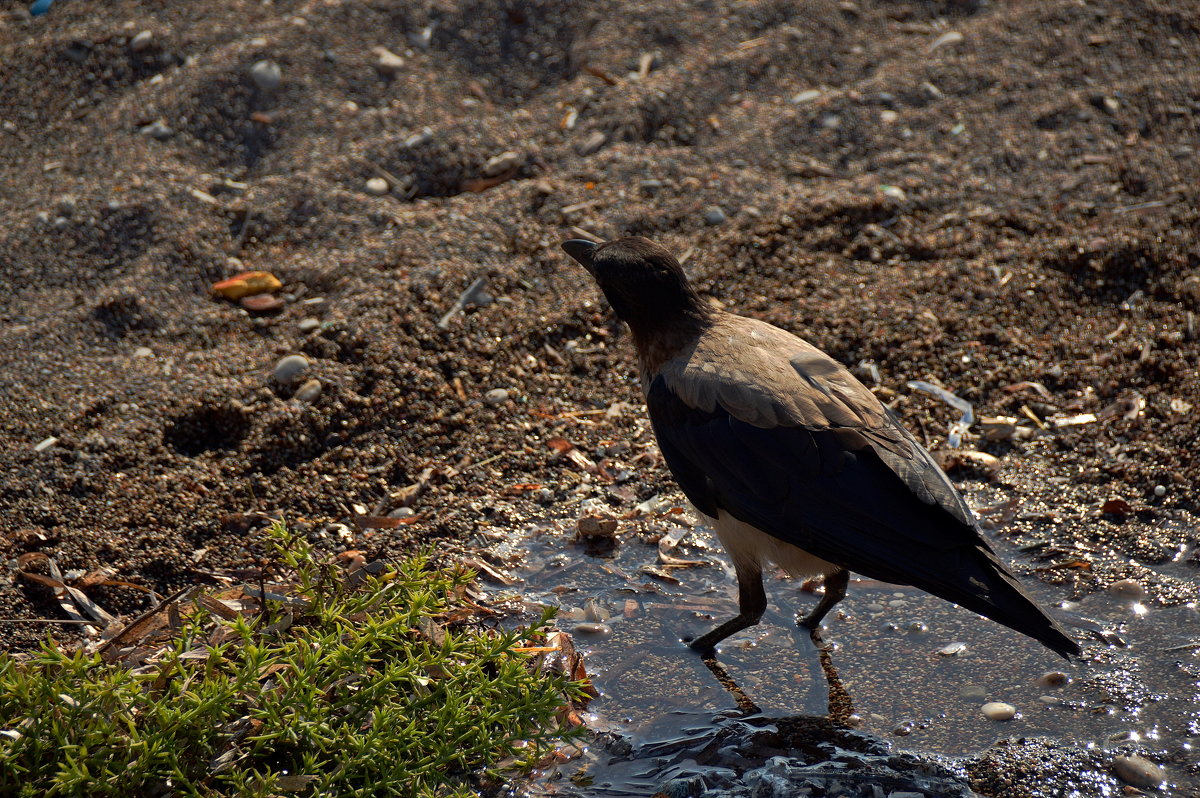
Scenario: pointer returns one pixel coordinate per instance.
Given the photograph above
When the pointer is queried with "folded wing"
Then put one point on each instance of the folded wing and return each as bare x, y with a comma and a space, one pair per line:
780, 436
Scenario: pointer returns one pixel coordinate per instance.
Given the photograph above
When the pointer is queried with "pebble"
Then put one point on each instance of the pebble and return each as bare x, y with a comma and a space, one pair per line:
1160, 491
309, 391
45, 444
402, 512
262, 303
1127, 588
386, 62
650, 187
289, 368
422, 38
714, 215
499, 164
543, 495
953, 650
904, 729
1054, 679
592, 143
267, 75
157, 130
806, 96
143, 351
377, 186
141, 41
67, 204
309, 324
1138, 771
496, 396
997, 710
592, 628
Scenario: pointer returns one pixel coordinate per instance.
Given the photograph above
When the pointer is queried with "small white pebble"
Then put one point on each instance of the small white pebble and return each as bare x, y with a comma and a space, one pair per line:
1160, 491
266, 75
953, 650
377, 186
998, 710
141, 41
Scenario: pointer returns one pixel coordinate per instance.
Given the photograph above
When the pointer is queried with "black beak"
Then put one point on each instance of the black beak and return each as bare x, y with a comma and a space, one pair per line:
581, 250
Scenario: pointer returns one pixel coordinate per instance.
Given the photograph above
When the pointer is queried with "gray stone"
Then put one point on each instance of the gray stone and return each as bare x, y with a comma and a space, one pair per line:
496, 396
1138, 771
309, 324
266, 74
289, 369
714, 215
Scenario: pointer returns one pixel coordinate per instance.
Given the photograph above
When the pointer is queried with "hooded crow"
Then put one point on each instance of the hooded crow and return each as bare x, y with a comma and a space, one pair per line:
791, 459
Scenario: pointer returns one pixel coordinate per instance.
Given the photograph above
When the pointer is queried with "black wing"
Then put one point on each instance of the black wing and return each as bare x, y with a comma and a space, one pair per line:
850, 496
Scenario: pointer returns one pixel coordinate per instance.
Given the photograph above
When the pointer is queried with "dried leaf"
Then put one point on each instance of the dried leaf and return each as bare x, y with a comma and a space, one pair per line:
247, 284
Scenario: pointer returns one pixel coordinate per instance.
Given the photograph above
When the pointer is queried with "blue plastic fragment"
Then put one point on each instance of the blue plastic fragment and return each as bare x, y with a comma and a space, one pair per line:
958, 428
40, 7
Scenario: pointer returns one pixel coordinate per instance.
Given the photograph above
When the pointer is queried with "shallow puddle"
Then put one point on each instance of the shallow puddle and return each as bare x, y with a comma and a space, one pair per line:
886, 640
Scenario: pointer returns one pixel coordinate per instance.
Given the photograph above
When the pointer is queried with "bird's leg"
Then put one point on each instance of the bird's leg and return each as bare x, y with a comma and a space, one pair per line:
752, 603
835, 590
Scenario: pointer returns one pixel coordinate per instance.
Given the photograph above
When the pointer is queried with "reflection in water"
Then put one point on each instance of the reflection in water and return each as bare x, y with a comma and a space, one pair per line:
885, 642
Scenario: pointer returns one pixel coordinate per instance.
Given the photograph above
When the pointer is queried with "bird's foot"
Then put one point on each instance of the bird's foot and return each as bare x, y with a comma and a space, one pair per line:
701, 646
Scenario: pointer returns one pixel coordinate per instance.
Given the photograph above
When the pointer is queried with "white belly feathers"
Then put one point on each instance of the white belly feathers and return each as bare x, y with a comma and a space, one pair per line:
749, 545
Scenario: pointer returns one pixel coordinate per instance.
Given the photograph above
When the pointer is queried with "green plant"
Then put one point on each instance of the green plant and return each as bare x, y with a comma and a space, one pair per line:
331, 686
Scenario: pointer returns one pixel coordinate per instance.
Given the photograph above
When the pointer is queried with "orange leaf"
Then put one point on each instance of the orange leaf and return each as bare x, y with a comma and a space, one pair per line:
247, 284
